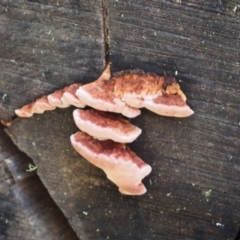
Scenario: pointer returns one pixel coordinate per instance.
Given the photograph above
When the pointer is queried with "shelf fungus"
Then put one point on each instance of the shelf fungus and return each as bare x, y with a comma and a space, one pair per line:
103, 133
122, 166
62, 98
160, 94
39, 106
100, 95
125, 92
69, 96
105, 125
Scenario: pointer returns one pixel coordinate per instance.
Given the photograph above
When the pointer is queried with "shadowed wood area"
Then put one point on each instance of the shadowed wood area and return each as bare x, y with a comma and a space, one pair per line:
194, 188
13, 223
25, 202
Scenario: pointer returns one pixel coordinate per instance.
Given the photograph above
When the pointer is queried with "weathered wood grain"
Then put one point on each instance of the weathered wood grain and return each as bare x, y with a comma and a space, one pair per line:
196, 160
46, 219
45, 46
27, 210
194, 189
13, 223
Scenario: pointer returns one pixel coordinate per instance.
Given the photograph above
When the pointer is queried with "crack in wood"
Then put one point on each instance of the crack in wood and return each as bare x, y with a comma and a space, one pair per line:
238, 234
179, 226
6, 179
106, 30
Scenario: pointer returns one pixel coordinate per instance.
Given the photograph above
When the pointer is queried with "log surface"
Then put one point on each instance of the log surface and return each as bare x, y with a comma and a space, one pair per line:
46, 46
13, 223
194, 188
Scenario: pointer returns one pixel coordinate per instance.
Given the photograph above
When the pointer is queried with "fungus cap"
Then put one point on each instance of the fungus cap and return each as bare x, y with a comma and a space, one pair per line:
39, 106
55, 99
100, 95
105, 125
69, 96
160, 94
172, 106
121, 165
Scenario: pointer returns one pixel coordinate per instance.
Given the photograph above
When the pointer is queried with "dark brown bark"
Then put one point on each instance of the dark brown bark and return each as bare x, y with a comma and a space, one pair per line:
194, 189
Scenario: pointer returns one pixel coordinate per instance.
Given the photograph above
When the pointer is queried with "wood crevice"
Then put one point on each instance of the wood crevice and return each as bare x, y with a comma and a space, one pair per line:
106, 30
238, 234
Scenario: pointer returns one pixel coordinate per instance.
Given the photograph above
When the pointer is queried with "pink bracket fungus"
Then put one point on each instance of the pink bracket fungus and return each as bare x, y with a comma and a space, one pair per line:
124, 92
160, 94
100, 95
166, 105
62, 98
39, 106
105, 125
121, 165
55, 99
69, 96
127, 91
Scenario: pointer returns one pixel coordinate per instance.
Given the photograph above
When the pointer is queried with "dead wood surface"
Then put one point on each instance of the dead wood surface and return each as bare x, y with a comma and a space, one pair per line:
13, 222
46, 45
194, 189
27, 209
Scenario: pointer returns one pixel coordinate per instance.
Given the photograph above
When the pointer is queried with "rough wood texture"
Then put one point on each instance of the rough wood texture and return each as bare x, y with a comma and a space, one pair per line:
194, 189
13, 223
45, 46
46, 219
25, 202
195, 161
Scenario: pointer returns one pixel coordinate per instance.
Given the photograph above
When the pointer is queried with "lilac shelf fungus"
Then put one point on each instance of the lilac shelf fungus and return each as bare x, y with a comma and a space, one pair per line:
103, 131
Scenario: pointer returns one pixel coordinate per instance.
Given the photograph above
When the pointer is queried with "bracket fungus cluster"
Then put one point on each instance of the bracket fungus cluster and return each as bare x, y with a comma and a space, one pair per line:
104, 132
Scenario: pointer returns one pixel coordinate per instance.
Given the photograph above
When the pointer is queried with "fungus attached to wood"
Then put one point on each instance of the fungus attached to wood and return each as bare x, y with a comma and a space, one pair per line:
62, 98
160, 94
55, 99
121, 165
69, 96
105, 125
39, 106
100, 95
125, 92
166, 105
